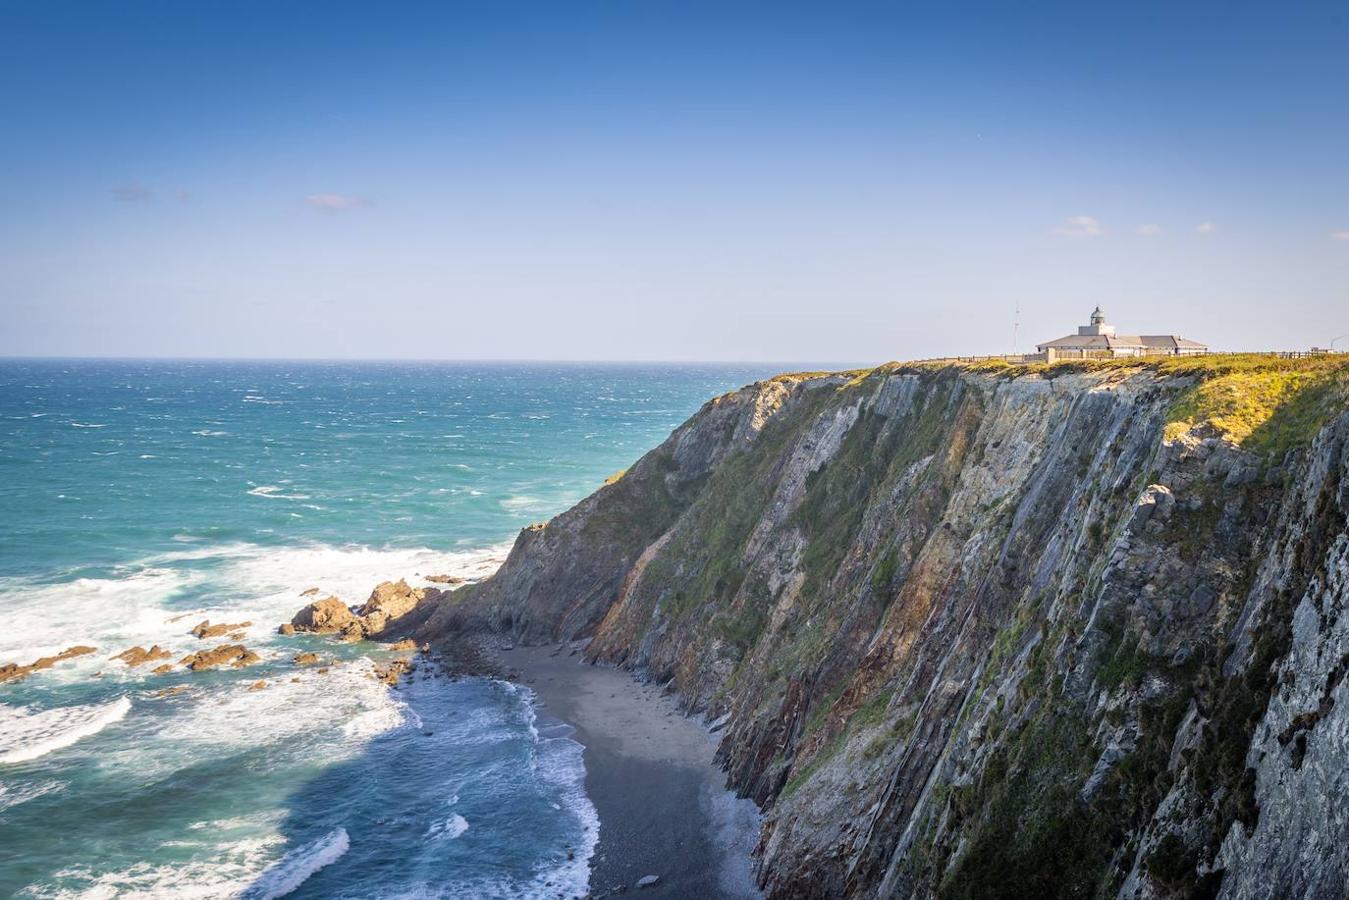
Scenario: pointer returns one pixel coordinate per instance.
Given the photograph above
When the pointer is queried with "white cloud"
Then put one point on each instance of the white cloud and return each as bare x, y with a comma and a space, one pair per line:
1342, 235
132, 193
335, 202
1205, 227
1149, 230
1080, 226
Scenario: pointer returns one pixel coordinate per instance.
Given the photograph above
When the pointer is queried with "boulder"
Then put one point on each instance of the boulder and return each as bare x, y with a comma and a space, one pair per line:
647, 881
162, 670
404, 645
324, 617
389, 600
445, 579
286, 629
136, 656
258, 685
306, 659
309, 592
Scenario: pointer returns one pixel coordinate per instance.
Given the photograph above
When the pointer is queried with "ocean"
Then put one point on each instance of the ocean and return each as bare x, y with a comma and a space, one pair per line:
138, 498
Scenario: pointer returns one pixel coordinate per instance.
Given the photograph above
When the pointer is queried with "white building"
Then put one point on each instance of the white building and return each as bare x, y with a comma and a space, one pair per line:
1099, 341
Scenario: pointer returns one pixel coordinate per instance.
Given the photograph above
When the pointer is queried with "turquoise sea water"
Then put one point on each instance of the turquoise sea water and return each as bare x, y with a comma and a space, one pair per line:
139, 498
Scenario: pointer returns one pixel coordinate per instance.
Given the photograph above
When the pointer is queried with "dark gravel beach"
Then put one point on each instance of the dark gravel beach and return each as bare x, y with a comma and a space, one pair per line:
661, 802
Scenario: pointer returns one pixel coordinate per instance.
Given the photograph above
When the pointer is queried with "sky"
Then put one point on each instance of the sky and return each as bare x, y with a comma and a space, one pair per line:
667, 181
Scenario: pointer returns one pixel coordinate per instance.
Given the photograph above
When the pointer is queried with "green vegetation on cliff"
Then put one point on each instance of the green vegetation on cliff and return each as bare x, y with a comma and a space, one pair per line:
977, 629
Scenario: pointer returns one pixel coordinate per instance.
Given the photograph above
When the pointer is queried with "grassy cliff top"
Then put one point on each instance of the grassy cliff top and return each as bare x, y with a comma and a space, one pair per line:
1265, 404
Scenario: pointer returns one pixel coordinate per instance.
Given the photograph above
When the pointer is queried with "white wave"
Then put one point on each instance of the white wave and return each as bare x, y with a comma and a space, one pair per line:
13, 795
449, 829
88, 425
206, 432
343, 708
44, 618
272, 492
26, 735
520, 502
374, 722
558, 761
293, 869
230, 870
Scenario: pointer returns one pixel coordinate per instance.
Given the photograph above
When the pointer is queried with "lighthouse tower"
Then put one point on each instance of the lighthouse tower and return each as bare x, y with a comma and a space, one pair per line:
1097, 326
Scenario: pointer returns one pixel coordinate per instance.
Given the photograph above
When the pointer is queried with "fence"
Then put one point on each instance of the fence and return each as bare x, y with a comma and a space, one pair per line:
1023, 358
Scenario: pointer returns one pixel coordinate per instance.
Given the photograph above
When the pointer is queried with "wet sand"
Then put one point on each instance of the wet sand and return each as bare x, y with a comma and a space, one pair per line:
661, 802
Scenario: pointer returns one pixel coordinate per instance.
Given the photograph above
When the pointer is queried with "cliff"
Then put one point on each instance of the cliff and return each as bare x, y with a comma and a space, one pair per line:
990, 631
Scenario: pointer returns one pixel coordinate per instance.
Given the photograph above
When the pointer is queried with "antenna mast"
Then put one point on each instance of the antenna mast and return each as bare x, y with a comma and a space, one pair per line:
1016, 326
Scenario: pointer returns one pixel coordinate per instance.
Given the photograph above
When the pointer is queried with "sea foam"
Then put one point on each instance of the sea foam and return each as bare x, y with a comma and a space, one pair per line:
26, 735
293, 869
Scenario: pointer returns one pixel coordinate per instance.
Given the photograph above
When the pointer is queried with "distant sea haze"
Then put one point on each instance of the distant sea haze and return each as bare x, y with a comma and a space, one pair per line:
144, 497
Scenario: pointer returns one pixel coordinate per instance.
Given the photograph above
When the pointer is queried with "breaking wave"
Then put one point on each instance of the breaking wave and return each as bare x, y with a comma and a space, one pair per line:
26, 735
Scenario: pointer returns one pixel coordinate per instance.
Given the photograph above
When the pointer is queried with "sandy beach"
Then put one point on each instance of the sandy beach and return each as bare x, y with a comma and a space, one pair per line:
662, 804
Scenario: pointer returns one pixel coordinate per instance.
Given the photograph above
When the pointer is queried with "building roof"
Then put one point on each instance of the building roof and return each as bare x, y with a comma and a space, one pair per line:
1121, 342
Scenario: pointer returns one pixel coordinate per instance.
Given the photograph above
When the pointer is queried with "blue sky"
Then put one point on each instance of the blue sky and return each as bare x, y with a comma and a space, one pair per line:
851, 182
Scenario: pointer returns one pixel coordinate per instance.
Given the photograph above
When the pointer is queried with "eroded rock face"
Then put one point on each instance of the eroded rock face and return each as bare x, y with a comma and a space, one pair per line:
971, 634
16, 672
236, 656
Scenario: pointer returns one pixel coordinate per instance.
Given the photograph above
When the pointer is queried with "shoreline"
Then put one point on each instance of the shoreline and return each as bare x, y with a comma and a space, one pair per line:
662, 803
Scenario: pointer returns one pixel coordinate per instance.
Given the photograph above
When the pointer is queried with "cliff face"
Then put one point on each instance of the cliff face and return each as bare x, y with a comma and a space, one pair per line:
1019, 632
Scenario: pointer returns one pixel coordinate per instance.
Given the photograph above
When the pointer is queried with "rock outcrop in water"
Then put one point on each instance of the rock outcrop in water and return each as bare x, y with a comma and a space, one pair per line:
389, 602
205, 630
137, 656
236, 656
1030, 631
16, 672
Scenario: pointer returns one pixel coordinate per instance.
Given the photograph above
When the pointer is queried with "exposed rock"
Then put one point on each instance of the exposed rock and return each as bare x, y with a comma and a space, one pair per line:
647, 881
16, 672
445, 579
205, 630
390, 672
309, 592
161, 670
236, 656
324, 616
136, 656
286, 629
171, 692
258, 685
404, 645
986, 631
389, 601
306, 659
